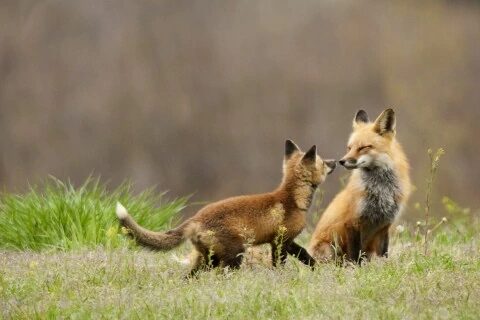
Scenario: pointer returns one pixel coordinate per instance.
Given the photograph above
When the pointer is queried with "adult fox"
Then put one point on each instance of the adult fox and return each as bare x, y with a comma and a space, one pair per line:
220, 231
357, 221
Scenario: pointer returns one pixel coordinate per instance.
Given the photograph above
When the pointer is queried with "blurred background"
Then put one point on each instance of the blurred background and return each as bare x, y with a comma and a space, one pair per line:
197, 97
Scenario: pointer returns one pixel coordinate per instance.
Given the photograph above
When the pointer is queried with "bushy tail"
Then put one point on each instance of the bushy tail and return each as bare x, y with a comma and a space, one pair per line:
154, 240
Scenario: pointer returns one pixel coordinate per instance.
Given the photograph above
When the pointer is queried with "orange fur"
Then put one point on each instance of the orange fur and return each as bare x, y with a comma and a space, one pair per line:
220, 230
343, 216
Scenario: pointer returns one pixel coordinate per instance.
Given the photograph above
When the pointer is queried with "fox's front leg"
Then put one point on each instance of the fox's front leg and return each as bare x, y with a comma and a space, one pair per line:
385, 242
381, 245
300, 253
354, 244
374, 239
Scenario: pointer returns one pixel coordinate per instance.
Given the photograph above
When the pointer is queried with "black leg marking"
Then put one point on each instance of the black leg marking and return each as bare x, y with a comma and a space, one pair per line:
235, 262
301, 254
368, 231
354, 245
384, 245
213, 261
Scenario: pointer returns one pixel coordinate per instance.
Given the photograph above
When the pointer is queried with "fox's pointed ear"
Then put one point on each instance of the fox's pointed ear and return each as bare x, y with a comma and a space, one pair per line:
311, 155
360, 117
385, 123
290, 148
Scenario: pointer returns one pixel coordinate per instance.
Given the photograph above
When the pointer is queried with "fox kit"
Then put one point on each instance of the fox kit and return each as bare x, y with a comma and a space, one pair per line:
358, 219
220, 231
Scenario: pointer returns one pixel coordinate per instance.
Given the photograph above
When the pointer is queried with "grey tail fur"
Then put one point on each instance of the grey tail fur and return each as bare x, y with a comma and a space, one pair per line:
161, 241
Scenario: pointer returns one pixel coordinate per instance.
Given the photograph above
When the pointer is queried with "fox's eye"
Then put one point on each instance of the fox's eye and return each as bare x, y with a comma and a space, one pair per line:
365, 147
349, 148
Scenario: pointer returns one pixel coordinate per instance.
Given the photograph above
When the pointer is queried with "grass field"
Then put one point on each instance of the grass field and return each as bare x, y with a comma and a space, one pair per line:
62, 255
134, 283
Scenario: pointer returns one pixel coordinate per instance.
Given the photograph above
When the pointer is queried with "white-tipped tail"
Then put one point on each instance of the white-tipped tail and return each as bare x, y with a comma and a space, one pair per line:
121, 211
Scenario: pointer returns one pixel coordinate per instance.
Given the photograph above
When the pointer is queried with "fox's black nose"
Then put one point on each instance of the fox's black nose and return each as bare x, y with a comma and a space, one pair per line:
331, 164
349, 162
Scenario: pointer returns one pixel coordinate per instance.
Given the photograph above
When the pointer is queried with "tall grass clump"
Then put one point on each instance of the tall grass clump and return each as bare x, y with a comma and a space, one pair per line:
434, 164
56, 215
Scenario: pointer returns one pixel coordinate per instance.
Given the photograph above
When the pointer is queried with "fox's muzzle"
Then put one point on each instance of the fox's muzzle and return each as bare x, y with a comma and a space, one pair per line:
349, 163
331, 164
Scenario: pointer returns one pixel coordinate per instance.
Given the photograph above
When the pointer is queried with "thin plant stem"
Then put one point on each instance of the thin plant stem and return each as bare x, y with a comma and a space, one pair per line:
434, 163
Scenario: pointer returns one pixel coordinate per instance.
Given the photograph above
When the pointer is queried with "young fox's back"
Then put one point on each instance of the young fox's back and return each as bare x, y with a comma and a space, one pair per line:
359, 217
220, 230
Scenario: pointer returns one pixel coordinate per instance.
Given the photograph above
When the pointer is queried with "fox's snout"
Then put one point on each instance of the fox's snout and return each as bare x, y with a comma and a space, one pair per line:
331, 165
348, 163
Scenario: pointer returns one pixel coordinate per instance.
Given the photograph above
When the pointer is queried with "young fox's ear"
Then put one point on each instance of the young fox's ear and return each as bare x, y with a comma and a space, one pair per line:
311, 155
385, 123
360, 117
290, 148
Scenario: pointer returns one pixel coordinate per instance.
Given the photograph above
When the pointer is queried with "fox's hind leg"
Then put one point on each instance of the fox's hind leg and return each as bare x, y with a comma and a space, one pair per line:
233, 254
198, 264
203, 261
234, 262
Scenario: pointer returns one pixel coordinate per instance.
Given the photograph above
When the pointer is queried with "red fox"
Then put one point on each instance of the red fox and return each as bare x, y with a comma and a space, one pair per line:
220, 231
357, 221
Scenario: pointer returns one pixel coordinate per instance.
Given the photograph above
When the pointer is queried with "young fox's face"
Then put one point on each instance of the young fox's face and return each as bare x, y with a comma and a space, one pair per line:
307, 166
370, 143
